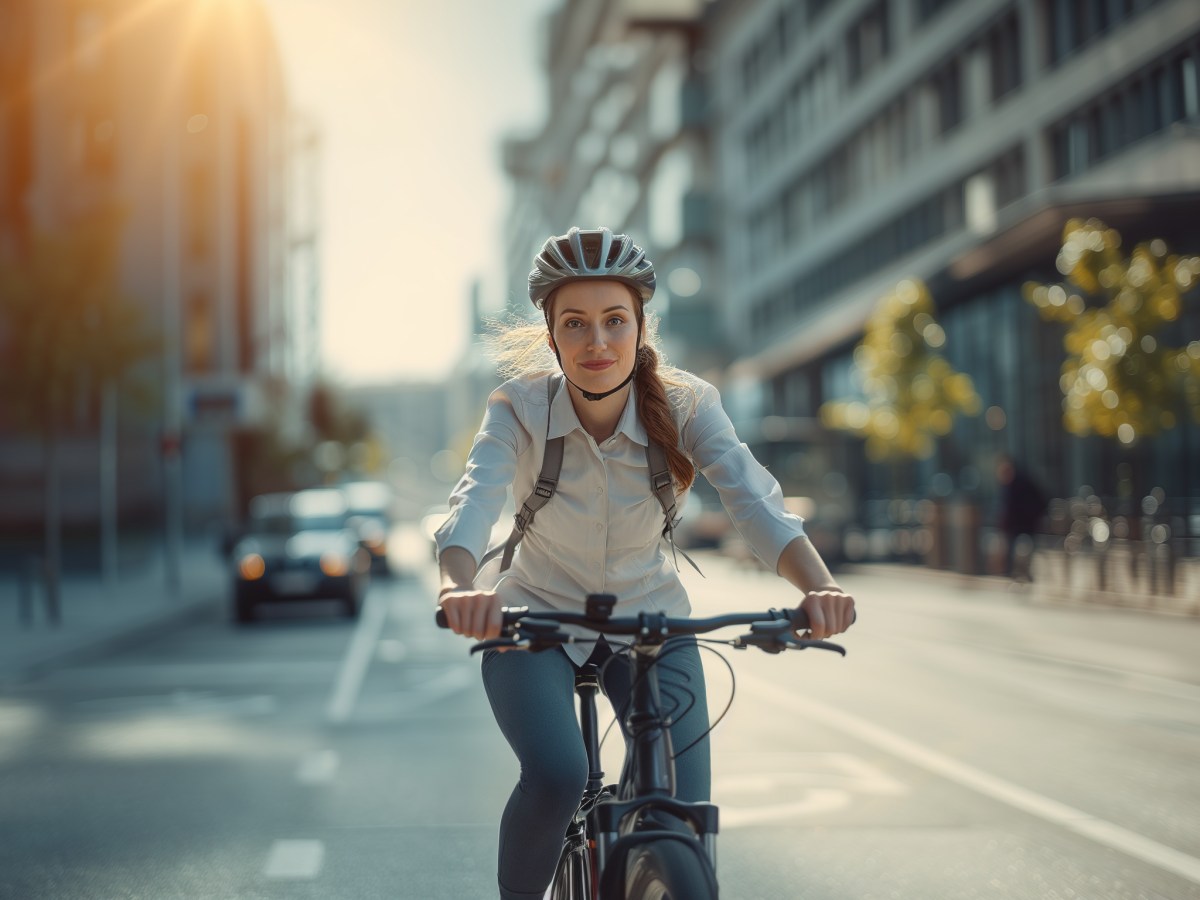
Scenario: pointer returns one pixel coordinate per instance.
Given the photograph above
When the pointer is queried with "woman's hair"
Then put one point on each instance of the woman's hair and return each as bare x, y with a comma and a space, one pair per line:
520, 348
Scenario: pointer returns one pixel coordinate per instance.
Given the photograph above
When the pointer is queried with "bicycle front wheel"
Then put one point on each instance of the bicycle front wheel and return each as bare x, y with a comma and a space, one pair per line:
669, 869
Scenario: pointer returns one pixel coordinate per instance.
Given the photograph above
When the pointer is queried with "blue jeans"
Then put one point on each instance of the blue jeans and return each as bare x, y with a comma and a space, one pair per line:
533, 699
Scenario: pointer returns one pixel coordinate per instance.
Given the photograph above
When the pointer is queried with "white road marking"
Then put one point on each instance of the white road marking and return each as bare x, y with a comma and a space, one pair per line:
789, 785
357, 659
807, 800
1084, 824
318, 767
295, 860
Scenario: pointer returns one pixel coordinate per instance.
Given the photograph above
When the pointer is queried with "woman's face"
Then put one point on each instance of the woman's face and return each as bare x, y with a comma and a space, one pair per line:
594, 327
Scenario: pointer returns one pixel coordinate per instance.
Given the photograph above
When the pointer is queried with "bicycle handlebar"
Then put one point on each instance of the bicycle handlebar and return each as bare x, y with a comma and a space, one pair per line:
636, 624
771, 630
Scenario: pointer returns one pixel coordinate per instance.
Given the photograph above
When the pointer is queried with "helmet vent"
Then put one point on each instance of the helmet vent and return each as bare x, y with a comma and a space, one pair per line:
591, 251
568, 253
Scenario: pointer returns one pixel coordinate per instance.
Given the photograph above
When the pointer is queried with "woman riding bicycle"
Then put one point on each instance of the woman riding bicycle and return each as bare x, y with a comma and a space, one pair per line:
603, 529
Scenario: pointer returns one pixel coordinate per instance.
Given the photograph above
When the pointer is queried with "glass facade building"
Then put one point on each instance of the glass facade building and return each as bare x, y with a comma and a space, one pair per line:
862, 143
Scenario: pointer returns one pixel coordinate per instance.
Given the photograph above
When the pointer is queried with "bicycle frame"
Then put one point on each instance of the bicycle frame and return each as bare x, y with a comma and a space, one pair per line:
611, 821
647, 781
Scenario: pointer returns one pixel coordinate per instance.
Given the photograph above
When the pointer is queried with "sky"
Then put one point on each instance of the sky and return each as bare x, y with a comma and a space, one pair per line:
412, 99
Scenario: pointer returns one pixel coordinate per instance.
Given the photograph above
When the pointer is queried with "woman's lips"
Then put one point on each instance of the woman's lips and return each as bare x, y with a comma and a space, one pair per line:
598, 365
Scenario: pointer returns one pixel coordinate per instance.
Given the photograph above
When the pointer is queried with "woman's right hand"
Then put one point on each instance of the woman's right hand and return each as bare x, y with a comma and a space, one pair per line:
472, 613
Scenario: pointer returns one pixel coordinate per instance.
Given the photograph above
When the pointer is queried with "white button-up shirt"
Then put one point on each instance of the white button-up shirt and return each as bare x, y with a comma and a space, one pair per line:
601, 531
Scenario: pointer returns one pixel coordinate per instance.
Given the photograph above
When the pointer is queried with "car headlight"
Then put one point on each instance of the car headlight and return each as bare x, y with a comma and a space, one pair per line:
335, 565
251, 567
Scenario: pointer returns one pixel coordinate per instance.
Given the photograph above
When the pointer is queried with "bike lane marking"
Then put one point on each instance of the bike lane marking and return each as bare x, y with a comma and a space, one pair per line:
358, 657
1084, 824
816, 782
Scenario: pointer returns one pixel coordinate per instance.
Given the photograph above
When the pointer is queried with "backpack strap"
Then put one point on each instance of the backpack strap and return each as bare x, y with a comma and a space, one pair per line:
543, 490
663, 487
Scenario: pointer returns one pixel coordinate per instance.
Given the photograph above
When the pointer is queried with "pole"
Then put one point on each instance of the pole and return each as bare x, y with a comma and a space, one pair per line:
172, 359
108, 483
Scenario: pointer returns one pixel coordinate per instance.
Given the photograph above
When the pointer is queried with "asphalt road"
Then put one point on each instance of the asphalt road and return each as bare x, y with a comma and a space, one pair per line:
970, 745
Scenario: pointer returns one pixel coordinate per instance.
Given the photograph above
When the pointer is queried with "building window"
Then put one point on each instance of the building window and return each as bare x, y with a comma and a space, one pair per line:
1143, 104
1073, 24
867, 43
947, 87
927, 9
1004, 54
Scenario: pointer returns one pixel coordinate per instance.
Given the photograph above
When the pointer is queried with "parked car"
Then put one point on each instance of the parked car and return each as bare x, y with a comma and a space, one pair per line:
299, 546
370, 512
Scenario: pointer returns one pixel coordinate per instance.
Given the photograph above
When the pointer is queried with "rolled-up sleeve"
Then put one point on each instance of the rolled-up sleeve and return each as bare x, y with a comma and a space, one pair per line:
479, 496
749, 493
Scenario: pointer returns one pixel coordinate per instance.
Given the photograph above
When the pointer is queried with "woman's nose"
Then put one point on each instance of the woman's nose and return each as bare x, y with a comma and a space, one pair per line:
596, 336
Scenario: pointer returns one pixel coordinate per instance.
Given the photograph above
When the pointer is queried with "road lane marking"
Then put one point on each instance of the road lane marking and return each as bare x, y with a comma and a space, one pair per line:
789, 785
1081, 823
295, 860
318, 767
357, 659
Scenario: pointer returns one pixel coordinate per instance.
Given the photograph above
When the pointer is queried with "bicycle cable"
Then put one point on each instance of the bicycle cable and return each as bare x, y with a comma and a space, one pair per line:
668, 646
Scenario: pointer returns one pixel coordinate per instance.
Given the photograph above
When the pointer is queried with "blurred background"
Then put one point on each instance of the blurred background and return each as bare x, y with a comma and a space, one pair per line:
251, 246
940, 257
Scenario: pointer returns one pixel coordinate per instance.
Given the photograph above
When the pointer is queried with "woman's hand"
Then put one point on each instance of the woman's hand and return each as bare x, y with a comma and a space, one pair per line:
472, 613
830, 611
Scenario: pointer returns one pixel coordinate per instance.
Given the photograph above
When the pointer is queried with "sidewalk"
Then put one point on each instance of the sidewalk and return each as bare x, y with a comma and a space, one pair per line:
94, 618
1068, 581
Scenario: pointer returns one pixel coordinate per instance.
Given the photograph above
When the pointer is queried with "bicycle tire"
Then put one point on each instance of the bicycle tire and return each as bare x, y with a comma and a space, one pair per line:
669, 869
573, 876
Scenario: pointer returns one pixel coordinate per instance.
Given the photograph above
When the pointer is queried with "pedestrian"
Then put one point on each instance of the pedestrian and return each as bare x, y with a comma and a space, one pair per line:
1021, 506
605, 529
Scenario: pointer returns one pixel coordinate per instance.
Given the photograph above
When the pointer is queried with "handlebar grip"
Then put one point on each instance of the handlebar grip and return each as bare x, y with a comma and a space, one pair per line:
441, 620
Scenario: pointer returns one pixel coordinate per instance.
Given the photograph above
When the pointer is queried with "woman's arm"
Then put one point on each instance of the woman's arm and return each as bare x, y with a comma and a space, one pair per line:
830, 609
468, 611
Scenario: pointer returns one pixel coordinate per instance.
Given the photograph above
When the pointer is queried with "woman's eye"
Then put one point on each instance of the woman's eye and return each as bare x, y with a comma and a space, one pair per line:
616, 320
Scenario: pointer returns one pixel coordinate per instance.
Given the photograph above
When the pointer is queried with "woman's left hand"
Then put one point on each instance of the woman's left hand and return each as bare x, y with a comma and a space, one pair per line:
830, 611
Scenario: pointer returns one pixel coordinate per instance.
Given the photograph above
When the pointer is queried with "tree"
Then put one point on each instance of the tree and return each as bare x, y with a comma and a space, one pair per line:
1120, 379
911, 394
68, 331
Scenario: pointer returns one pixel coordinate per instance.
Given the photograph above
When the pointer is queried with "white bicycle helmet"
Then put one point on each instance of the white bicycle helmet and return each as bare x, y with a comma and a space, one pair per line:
590, 253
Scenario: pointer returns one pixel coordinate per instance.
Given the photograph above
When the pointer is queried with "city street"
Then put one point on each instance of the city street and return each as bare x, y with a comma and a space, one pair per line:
972, 744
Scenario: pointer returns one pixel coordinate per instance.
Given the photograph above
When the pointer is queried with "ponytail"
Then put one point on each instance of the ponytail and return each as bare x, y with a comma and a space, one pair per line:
655, 412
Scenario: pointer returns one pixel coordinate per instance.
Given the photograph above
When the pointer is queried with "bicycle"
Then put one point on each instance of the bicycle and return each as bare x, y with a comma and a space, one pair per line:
634, 840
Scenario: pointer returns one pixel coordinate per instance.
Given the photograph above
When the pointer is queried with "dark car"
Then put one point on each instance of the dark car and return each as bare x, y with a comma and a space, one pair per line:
370, 511
299, 546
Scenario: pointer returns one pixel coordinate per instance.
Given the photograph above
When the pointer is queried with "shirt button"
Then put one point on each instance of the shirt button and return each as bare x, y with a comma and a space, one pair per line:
599, 526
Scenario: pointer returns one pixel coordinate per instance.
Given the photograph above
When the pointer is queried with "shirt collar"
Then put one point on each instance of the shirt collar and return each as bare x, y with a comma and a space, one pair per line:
564, 420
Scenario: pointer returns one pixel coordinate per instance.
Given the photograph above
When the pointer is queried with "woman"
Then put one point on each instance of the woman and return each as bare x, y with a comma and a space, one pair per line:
601, 531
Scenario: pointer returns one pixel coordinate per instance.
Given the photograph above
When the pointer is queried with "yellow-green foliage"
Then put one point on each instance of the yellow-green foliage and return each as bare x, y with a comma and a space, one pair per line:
1119, 380
912, 394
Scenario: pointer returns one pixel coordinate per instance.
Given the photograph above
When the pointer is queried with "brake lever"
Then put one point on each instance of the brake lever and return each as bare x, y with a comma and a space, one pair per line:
775, 637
